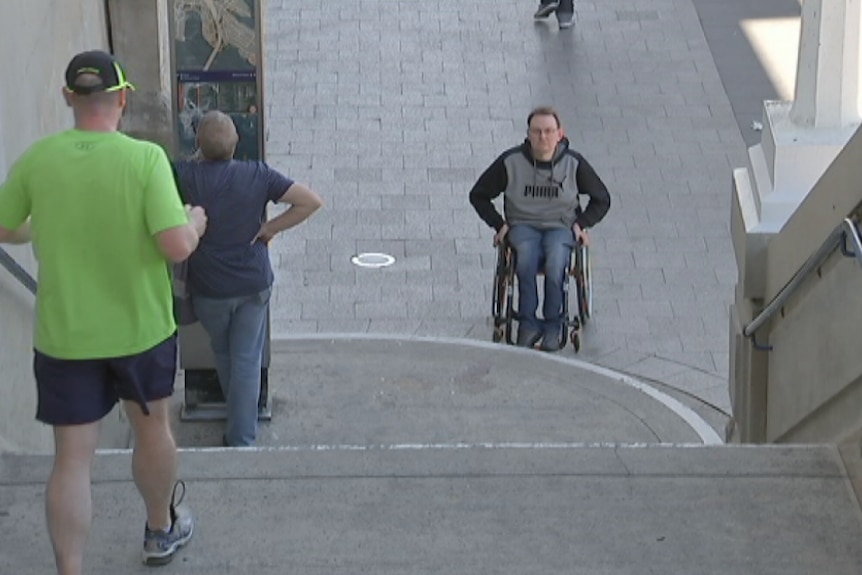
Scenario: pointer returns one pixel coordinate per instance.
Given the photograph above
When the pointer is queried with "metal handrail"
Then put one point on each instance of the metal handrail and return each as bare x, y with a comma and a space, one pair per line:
17, 271
837, 239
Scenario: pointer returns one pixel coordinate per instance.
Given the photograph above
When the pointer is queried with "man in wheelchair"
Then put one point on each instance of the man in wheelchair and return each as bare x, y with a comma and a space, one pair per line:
541, 181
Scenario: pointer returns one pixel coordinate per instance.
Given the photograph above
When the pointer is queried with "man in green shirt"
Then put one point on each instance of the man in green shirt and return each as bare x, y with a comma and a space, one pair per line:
105, 218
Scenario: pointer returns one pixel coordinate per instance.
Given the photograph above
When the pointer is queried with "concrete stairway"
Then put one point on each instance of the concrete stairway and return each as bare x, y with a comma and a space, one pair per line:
596, 510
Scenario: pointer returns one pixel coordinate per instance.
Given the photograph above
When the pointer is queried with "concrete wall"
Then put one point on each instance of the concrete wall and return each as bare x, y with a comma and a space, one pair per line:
808, 388
36, 40
141, 42
815, 368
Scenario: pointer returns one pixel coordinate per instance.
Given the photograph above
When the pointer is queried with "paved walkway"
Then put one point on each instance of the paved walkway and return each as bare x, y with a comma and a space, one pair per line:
391, 109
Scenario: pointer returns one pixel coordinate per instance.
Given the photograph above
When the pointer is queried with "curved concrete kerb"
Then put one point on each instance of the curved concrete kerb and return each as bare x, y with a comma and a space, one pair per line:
584, 380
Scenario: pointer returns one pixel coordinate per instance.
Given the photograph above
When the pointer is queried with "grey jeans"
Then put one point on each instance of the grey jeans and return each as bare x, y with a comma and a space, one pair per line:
237, 330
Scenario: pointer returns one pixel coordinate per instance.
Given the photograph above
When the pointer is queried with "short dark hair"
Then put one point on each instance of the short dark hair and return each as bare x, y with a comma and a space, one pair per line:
544, 111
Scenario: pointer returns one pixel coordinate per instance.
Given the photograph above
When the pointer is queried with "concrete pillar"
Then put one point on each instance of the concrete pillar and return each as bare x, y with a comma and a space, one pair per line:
827, 80
141, 41
800, 140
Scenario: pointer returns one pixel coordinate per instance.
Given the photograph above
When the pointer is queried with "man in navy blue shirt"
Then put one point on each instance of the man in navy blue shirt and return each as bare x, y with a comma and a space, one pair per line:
230, 276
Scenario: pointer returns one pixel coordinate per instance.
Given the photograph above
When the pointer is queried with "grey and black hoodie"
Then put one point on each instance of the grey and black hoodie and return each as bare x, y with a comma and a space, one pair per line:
541, 194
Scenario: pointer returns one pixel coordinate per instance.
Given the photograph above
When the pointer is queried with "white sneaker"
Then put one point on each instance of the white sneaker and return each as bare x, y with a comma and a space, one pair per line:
566, 20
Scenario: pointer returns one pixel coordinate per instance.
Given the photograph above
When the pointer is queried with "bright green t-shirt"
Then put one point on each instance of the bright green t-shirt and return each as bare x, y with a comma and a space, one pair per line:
96, 200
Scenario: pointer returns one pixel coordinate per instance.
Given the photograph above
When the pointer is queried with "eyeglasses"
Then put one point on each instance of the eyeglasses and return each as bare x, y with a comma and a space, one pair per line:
543, 132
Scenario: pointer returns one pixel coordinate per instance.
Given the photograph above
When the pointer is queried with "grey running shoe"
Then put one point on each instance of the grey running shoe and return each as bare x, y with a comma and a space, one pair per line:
161, 546
565, 20
546, 9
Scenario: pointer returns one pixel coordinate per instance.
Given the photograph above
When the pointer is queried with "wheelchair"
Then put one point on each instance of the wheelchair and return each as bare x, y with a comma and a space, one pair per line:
505, 288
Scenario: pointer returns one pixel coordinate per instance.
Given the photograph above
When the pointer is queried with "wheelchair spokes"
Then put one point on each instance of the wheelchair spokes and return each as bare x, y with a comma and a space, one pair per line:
583, 282
504, 313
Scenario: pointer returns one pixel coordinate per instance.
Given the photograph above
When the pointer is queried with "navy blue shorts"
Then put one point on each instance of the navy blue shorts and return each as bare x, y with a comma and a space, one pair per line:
79, 391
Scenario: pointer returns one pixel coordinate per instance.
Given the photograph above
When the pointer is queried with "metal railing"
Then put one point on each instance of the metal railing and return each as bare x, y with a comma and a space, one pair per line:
838, 239
17, 271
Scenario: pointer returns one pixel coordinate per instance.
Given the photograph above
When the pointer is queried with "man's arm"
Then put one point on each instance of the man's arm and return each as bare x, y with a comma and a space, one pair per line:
20, 236
176, 228
15, 206
179, 242
590, 184
490, 184
303, 202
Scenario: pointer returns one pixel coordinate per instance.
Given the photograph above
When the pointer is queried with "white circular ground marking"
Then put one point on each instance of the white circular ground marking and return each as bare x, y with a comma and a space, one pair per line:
372, 260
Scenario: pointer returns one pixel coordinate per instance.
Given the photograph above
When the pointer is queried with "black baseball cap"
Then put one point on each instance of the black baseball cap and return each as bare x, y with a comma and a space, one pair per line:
100, 64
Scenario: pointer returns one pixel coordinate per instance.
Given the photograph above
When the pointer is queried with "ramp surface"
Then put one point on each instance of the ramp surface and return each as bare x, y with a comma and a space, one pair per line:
384, 390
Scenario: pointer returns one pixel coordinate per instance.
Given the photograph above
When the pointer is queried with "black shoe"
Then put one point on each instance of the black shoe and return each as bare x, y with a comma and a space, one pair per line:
546, 9
553, 340
528, 338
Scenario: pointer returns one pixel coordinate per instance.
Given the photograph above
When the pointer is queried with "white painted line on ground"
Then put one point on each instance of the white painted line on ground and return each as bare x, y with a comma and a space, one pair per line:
321, 448
425, 447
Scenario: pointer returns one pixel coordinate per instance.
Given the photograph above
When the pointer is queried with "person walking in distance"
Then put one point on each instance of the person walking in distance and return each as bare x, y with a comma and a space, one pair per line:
230, 276
565, 10
106, 221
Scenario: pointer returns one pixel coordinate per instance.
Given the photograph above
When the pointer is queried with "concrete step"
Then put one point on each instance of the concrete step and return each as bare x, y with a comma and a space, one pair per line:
588, 509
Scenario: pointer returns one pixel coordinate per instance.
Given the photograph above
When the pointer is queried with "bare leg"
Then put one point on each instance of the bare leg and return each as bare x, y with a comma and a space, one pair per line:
68, 496
154, 460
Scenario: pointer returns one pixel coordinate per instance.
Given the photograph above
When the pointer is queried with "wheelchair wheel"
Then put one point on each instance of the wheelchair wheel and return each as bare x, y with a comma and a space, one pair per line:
502, 330
576, 340
584, 283
499, 334
502, 311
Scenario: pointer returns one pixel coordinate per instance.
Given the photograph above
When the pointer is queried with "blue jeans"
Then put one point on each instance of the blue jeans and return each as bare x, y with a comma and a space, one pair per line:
535, 249
237, 330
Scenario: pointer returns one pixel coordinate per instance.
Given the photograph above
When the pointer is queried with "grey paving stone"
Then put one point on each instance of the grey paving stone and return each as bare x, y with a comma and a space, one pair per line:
381, 310
346, 293
387, 325
343, 325
289, 327
312, 310
467, 262
703, 361
437, 311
